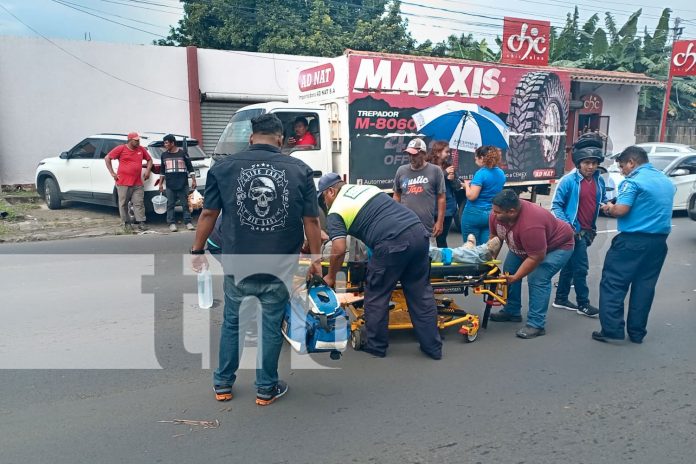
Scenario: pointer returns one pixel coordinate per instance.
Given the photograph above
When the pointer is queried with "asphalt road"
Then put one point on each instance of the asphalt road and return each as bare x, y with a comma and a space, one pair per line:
100, 339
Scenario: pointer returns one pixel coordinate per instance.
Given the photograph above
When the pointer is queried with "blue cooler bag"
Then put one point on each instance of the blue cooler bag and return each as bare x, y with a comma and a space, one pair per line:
315, 322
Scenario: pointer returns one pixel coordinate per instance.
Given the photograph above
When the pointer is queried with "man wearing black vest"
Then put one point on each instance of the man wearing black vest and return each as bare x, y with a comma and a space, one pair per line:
399, 244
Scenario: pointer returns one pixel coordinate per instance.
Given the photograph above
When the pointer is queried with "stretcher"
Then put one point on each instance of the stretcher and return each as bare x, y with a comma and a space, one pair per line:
457, 278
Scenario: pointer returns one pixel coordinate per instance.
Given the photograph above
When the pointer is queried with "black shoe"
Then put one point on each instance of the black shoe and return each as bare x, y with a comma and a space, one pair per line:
600, 337
530, 332
265, 398
436, 356
222, 393
588, 310
378, 354
142, 226
637, 341
504, 316
565, 304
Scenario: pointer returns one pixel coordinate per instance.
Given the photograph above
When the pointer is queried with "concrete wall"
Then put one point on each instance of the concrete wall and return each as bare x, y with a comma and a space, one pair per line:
677, 132
52, 100
621, 105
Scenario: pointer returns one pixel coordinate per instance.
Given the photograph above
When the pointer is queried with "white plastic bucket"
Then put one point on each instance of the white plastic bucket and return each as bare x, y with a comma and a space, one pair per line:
159, 203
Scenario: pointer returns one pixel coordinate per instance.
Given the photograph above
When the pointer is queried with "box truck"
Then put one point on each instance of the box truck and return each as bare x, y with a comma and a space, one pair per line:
359, 108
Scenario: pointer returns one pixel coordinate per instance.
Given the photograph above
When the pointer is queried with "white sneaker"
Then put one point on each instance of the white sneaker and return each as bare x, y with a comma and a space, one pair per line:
172, 228
190, 226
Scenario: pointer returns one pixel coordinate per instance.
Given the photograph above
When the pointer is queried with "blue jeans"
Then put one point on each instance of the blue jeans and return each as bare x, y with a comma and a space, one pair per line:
273, 296
575, 273
539, 281
475, 221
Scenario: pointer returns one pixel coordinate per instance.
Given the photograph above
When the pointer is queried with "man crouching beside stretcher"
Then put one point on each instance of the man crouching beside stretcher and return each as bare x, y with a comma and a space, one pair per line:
400, 253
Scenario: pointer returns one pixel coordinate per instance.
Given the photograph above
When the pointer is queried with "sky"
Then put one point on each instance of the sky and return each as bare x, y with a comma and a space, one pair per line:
142, 21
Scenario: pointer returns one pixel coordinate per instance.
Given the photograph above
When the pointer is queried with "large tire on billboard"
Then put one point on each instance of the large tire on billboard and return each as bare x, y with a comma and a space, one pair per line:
538, 120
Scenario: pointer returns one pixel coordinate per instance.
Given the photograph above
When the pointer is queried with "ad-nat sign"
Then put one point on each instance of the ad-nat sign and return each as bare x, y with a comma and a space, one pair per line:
684, 58
526, 41
384, 94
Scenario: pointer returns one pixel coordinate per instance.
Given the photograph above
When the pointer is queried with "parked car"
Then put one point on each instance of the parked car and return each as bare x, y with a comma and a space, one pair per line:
680, 166
666, 147
691, 204
80, 173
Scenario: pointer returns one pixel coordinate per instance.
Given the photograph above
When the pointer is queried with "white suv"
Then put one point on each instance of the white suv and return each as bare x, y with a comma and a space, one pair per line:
80, 173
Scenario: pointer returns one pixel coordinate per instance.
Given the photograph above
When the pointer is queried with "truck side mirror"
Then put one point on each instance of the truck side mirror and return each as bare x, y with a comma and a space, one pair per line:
64, 155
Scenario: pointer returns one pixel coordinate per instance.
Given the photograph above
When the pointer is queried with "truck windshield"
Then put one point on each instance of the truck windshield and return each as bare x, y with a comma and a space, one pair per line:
235, 137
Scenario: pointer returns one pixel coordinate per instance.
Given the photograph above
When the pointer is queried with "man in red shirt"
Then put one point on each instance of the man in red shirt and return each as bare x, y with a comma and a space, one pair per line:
129, 178
539, 246
302, 138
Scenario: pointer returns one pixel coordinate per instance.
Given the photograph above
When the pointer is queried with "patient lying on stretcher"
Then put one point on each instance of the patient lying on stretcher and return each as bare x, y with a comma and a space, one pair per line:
469, 253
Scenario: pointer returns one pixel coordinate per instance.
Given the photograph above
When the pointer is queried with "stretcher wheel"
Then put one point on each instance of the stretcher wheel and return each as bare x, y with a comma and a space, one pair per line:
356, 339
335, 355
470, 338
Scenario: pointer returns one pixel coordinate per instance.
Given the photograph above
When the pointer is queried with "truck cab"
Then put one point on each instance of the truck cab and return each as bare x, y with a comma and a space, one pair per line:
235, 137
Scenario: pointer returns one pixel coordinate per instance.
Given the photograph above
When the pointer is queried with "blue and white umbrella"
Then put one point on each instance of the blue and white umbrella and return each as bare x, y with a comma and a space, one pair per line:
465, 125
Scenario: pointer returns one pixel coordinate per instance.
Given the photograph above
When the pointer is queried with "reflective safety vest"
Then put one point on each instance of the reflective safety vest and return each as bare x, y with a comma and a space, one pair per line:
351, 199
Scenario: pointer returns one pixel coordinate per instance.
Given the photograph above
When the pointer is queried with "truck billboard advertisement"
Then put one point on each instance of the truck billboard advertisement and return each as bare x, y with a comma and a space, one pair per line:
384, 93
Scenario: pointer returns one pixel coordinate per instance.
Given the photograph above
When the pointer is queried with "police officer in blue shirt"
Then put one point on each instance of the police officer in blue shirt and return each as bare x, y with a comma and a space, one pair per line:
637, 253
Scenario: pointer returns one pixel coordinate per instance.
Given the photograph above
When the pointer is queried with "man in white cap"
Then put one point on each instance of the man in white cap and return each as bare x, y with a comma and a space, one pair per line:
420, 186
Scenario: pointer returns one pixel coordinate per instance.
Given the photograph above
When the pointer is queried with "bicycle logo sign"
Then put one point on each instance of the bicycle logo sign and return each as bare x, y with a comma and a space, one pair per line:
534, 41
684, 58
525, 41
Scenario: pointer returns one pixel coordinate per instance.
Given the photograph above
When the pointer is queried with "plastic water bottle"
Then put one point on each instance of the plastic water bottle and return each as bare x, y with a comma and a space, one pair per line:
205, 289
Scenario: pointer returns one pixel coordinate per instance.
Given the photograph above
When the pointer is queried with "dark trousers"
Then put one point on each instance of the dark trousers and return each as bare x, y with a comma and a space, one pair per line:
633, 260
404, 258
442, 238
182, 196
575, 273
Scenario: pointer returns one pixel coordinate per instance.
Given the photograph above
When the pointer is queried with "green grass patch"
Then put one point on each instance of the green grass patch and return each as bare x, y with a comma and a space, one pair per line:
15, 212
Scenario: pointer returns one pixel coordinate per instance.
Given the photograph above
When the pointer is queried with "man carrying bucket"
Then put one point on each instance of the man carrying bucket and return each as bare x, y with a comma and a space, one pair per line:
175, 171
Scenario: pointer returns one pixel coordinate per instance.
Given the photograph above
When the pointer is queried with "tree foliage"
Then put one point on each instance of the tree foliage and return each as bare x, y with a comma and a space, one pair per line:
300, 27
327, 27
622, 49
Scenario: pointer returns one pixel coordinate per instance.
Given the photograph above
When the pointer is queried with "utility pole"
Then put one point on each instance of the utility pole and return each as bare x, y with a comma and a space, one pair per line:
676, 34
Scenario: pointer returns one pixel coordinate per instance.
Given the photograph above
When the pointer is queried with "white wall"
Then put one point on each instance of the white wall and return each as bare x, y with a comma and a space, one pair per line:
621, 105
252, 74
51, 100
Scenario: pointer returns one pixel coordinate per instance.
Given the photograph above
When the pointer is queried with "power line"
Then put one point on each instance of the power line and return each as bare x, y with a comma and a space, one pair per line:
141, 7
110, 20
146, 2
65, 2
86, 62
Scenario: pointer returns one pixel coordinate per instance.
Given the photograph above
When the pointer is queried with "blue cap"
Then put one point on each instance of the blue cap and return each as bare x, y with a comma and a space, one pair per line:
327, 180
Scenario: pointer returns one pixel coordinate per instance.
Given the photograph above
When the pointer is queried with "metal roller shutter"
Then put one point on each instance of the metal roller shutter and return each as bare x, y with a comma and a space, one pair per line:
214, 118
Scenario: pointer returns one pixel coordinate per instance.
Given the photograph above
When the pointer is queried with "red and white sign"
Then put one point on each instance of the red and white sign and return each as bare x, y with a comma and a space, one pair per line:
526, 41
684, 58
591, 104
316, 78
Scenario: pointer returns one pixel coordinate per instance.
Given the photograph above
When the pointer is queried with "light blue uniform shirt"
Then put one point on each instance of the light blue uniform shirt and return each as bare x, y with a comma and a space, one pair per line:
650, 194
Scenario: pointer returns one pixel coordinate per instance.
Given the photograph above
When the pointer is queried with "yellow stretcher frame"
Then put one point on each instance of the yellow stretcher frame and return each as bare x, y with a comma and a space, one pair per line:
490, 285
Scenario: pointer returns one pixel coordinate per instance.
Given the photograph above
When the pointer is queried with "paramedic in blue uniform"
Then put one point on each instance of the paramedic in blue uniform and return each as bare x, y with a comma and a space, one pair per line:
637, 253
400, 245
